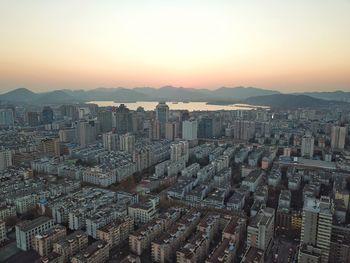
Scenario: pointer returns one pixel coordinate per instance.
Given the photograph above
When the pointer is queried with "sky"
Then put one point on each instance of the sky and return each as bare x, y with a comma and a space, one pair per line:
290, 46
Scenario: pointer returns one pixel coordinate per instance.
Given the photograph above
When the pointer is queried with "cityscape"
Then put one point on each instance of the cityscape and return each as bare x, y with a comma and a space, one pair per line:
102, 161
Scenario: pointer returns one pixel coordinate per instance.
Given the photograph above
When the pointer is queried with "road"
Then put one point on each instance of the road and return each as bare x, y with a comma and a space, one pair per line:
285, 249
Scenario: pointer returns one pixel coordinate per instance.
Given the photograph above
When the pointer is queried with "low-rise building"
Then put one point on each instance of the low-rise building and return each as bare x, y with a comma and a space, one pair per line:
144, 212
164, 248
236, 202
142, 238
98, 177
253, 255
53, 257
43, 243
71, 245
195, 250
191, 170
26, 202
253, 180
97, 252
225, 251
98, 220
7, 211
116, 232
274, 178
216, 198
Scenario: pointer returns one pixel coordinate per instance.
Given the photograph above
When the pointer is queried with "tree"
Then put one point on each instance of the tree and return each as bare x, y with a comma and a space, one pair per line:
11, 221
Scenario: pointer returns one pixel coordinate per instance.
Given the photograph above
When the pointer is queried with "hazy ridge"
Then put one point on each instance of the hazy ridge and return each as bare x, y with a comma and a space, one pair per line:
223, 95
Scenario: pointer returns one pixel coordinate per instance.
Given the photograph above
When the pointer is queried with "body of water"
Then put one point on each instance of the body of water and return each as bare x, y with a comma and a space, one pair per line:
190, 106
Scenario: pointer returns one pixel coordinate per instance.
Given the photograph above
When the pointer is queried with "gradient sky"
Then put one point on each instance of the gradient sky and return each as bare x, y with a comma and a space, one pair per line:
298, 45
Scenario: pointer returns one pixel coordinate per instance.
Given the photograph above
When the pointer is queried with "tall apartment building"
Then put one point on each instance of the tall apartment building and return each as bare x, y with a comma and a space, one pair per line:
122, 120
26, 231
105, 119
340, 244
189, 130
2, 231
50, 146
260, 230
7, 117
244, 130
162, 116
47, 115
127, 142
143, 158
43, 243
338, 135
5, 159
87, 132
33, 119
154, 130
67, 135
110, 141
171, 131
179, 151
316, 230
307, 146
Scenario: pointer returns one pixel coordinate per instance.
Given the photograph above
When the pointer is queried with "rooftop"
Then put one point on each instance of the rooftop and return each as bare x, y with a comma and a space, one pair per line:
28, 225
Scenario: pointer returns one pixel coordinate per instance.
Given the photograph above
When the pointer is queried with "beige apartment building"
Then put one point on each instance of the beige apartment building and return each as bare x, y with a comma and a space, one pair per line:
164, 248
98, 252
71, 245
116, 232
142, 238
43, 243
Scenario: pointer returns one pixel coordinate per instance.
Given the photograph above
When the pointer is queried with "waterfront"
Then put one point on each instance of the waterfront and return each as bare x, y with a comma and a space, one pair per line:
190, 106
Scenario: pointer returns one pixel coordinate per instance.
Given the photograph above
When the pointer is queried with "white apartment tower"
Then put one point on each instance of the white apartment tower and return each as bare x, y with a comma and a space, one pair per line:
189, 130
110, 141
261, 229
338, 137
127, 142
179, 151
5, 159
307, 146
316, 230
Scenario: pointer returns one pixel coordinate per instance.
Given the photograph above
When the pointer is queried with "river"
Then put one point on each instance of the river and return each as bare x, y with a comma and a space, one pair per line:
190, 106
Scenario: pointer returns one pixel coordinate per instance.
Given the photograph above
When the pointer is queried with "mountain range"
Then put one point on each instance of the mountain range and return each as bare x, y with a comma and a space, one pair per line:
223, 95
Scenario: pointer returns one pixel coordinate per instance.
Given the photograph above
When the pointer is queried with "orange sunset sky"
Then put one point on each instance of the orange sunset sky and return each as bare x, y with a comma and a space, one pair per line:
299, 45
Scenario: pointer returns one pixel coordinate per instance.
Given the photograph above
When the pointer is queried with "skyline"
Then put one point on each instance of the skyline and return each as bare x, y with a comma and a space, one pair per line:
297, 47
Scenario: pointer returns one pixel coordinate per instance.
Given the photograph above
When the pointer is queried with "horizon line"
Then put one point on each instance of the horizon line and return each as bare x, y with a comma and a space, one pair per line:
170, 86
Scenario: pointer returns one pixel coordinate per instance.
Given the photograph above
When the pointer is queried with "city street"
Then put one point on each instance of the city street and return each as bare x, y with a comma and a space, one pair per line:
285, 250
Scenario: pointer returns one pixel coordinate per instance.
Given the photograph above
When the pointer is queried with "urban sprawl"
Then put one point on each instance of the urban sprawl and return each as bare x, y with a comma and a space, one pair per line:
86, 184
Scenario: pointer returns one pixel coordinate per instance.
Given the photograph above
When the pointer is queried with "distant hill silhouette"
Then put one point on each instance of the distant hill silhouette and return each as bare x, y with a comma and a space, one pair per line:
241, 93
223, 95
334, 95
291, 101
19, 95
